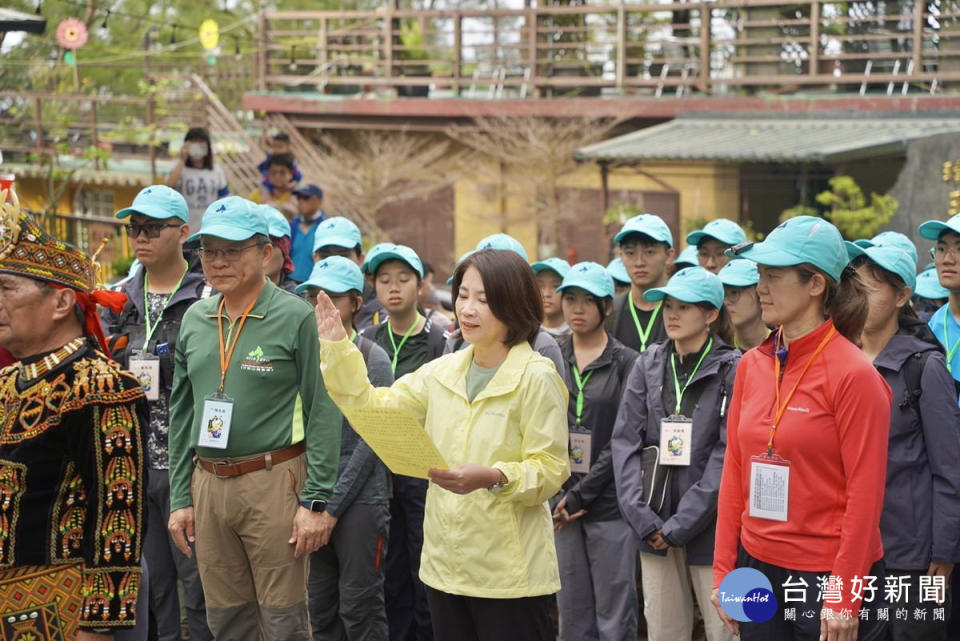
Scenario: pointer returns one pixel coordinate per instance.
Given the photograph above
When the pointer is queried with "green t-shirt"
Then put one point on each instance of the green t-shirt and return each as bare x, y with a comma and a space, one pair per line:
274, 380
477, 379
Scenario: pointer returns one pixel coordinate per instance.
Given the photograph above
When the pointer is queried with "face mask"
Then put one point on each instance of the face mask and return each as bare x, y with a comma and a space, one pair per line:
197, 150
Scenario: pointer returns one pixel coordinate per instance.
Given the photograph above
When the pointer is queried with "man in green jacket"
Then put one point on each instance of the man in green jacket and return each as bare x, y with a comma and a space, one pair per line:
254, 437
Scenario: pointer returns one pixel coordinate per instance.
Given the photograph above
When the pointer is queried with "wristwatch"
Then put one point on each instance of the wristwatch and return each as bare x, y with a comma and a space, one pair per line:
497, 487
314, 506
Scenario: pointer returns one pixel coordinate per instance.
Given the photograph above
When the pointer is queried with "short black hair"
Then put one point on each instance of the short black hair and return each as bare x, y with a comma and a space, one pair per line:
282, 160
511, 290
638, 238
427, 268
281, 136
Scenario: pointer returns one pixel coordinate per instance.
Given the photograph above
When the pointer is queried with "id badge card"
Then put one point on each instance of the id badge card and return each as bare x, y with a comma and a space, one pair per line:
769, 487
215, 422
676, 440
580, 443
146, 367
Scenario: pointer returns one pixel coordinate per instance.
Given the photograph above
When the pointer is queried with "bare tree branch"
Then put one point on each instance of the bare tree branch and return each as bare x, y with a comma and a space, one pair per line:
364, 171
526, 157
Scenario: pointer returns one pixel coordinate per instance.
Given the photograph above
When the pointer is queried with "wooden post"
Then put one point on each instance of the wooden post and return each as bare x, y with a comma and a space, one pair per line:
532, 51
324, 50
706, 15
814, 50
388, 41
917, 55
621, 46
94, 138
151, 150
262, 53
605, 183
38, 122
457, 51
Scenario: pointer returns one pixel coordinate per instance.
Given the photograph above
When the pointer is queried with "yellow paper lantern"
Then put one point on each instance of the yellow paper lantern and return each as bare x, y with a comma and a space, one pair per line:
209, 34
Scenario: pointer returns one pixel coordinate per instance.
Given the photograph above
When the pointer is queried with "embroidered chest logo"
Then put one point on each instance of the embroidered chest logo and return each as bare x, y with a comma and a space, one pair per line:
255, 362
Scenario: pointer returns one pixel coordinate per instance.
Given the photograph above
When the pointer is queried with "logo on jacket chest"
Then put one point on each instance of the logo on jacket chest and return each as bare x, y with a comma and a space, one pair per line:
256, 362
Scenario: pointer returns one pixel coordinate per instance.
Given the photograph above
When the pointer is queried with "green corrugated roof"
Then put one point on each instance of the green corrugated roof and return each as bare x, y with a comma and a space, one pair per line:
763, 139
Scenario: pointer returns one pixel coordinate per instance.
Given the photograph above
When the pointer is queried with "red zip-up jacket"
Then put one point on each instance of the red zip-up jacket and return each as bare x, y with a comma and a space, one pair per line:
834, 433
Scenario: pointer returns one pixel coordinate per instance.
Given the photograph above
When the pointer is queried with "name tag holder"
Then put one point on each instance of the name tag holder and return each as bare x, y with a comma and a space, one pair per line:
146, 368
215, 421
769, 487
676, 440
580, 450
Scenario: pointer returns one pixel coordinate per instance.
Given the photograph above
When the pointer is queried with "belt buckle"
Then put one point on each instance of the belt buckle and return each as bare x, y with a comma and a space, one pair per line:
216, 468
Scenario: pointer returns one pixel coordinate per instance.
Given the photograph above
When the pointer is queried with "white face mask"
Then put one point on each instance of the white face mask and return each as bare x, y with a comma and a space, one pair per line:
197, 150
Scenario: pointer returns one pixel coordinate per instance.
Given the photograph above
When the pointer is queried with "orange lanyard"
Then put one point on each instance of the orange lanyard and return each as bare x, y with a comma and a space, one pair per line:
776, 370
226, 357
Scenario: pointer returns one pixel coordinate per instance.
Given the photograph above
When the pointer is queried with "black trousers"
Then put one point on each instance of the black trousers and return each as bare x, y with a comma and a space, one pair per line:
910, 627
806, 624
408, 615
466, 618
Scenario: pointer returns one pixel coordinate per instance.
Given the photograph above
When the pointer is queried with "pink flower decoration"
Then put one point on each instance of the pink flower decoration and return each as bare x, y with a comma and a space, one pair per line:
71, 34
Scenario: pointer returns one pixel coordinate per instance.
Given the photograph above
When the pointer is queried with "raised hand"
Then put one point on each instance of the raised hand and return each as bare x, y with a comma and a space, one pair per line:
329, 325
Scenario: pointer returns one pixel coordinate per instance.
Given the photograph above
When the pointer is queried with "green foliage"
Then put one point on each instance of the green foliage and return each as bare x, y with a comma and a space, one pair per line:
693, 224
847, 208
619, 213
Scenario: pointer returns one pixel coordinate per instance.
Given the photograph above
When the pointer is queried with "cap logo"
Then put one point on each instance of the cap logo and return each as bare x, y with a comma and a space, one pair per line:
221, 209
584, 269
147, 191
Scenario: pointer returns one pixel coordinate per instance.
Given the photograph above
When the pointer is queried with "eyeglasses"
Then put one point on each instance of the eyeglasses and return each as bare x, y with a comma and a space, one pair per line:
941, 252
153, 230
313, 293
732, 294
230, 255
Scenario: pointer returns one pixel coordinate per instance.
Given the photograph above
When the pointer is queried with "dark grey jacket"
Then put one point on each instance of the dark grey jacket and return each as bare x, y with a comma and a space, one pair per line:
126, 330
596, 491
921, 507
362, 477
689, 515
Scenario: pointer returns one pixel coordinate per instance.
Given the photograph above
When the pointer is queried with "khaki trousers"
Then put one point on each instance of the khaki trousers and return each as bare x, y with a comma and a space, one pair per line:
669, 586
249, 574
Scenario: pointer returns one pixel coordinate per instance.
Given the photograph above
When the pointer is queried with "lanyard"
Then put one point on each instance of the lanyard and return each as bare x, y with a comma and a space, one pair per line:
780, 409
226, 357
676, 381
946, 341
353, 335
644, 334
397, 348
151, 327
581, 384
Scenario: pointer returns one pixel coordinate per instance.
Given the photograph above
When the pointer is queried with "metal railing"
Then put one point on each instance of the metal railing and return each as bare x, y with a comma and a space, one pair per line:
725, 47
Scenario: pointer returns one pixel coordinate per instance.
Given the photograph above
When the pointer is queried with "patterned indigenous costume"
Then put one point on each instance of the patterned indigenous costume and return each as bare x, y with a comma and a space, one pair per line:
71, 464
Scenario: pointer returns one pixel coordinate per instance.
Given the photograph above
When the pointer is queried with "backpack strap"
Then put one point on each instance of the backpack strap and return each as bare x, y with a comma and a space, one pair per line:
912, 375
436, 339
365, 346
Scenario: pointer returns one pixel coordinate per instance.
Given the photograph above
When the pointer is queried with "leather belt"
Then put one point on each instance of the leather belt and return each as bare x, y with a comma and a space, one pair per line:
226, 469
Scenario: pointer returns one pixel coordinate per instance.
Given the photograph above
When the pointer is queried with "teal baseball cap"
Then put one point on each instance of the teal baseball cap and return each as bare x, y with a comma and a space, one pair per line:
932, 229
277, 223
618, 272
554, 264
722, 229
688, 257
383, 252
739, 272
334, 274
928, 286
650, 225
690, 285
337, 232
799, 240
503, 241
591, 277
894, 258
887, 238
232, 218
460, 260
158, 201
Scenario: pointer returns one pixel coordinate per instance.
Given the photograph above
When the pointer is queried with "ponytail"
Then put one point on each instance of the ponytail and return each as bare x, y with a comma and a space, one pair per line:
846, 303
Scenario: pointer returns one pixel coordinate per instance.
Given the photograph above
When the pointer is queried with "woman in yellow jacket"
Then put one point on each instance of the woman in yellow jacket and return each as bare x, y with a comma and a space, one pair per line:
497, 413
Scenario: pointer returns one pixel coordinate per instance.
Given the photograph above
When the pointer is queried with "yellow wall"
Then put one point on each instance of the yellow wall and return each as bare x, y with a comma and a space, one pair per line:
706, 191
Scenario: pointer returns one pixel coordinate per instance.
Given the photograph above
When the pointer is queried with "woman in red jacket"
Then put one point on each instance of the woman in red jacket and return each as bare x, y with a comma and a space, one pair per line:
802, 487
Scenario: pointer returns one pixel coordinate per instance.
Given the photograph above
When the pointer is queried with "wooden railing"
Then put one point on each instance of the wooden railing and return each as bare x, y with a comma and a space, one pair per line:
726, 47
